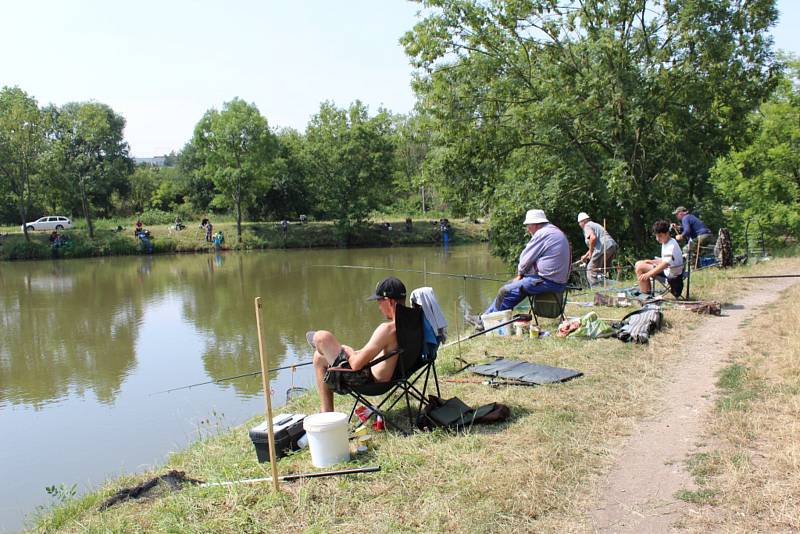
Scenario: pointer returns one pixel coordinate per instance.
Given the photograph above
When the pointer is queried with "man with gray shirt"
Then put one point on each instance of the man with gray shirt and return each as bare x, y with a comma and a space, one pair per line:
600, 244
543, 265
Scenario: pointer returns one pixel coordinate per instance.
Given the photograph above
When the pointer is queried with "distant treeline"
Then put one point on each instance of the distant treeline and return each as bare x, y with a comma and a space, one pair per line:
620, 109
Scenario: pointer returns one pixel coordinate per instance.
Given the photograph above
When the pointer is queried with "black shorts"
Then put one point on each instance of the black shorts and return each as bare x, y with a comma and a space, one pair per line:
343, 381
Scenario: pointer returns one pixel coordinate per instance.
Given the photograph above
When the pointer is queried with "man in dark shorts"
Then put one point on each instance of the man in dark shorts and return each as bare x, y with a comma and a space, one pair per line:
329, 352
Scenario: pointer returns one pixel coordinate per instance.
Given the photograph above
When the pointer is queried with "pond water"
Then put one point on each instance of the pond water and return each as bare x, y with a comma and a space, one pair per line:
84, 344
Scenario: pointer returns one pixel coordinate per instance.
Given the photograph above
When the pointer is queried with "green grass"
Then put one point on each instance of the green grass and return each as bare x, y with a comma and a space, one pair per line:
702, 496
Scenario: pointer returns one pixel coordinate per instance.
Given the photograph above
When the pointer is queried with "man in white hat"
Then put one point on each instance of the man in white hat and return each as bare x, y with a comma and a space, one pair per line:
602, 247
543, 265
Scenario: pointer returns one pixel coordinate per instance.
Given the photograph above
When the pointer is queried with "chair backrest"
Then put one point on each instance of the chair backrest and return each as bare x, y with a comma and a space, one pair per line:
550, 305
410, 338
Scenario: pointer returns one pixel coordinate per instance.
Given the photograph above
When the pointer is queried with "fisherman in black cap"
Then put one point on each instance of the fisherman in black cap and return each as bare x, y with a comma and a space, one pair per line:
329, 352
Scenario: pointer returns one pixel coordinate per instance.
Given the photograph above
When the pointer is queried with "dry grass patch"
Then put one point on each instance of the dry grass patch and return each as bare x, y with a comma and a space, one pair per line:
756, 473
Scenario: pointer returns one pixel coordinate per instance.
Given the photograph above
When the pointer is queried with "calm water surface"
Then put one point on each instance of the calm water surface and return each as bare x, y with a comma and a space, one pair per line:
84, 344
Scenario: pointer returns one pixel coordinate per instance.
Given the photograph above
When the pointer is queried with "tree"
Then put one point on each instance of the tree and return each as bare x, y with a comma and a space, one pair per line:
92, 155
761, 182
352, 162
237, 148
22, 142
618, 107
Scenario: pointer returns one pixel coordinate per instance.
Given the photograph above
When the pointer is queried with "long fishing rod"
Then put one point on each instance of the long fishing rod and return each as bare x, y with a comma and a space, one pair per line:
296, 476
451, 275
254, 373
769, 276
517, 317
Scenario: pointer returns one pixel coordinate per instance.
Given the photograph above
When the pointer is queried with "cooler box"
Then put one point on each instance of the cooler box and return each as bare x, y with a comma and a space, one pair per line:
287, 427
493, 319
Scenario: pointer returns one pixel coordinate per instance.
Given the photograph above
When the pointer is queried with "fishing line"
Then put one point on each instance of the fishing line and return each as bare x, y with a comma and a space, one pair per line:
451, 275
253, 373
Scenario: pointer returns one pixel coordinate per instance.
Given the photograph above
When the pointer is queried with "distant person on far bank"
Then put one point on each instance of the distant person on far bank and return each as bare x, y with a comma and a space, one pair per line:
601, 247
543, 266
691, 229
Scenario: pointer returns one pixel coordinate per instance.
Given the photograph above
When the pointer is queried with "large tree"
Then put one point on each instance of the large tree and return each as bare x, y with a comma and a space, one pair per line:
352, 160
619, 107
22, 142
92, 157
237, 149
760, 183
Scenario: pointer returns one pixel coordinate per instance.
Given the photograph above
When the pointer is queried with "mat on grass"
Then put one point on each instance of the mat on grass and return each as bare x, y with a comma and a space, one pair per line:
533, 373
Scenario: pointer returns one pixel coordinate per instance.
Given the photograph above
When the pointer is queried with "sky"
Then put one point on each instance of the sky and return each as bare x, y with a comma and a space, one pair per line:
162, 65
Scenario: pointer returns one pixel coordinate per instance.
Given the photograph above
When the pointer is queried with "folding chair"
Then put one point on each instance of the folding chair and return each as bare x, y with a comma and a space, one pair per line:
673, 286
550, 305
416, 363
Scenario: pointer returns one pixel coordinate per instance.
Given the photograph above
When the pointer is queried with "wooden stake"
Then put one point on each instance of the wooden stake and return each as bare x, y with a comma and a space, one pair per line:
605, 266
697, 255
267, 397
458, 330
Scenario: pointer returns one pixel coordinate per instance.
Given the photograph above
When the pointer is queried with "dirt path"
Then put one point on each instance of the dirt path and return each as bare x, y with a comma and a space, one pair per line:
638, 493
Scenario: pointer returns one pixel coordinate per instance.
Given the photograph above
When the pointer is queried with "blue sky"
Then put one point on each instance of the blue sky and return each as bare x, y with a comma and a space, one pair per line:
163, 64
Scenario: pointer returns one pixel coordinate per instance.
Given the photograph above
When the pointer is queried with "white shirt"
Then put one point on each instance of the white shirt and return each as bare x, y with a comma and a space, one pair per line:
671, 253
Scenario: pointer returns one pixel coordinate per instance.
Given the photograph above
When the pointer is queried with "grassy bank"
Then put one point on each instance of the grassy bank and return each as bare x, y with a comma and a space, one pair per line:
109, 242
534, 473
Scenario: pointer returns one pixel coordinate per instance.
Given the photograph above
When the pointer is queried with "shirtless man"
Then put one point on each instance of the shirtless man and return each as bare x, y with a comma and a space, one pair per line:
329, 352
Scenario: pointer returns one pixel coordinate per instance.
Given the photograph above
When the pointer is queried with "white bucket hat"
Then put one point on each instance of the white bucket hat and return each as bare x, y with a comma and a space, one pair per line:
582, 216
535, 217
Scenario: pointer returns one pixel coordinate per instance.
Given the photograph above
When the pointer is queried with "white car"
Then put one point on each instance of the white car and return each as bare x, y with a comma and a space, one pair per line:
48, 223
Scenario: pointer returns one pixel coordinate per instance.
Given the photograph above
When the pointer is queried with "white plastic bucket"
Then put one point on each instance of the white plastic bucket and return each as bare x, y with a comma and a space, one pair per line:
491, 320
327, 438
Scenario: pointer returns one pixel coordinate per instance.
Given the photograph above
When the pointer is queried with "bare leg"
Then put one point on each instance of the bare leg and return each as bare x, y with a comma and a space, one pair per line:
325, 393
642, 266
328, 348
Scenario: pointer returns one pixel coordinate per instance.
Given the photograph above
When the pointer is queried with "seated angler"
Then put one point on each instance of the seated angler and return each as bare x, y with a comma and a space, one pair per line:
330, 352
668, 267
543, 265
692, 229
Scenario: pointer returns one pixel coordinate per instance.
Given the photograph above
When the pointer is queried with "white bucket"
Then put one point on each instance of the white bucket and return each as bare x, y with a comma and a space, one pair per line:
491, 320
327, 438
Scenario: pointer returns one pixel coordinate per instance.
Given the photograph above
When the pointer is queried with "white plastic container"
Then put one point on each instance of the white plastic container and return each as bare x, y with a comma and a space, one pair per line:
327, 438
493, 319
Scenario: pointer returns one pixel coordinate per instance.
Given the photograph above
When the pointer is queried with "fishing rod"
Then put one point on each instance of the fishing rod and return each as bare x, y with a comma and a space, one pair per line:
451, 275
297, 476
254, 373
768, 276
517, 317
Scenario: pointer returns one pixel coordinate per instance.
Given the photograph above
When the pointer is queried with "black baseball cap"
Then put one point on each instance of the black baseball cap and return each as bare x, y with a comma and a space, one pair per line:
391, 288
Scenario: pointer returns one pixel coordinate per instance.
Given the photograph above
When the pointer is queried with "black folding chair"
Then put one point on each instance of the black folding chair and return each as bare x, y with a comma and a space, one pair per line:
416, 365
550, 305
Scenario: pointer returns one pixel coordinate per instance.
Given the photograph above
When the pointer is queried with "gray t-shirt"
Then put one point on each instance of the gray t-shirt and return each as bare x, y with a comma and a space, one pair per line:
604, 239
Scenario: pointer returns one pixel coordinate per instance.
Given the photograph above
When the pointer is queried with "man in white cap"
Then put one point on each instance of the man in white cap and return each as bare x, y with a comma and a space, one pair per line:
543, 265
602, 247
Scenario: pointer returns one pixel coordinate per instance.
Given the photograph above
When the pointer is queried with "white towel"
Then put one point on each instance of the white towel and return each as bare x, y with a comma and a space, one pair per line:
426, 299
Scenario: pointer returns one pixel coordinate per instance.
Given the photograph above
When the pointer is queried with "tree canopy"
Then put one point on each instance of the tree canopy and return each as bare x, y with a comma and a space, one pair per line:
617, 108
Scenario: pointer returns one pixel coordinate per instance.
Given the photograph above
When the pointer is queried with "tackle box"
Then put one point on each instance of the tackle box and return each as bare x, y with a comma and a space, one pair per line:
287, 427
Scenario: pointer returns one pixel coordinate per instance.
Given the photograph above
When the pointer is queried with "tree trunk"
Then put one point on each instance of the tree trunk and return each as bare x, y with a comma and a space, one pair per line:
85, 205
239, 211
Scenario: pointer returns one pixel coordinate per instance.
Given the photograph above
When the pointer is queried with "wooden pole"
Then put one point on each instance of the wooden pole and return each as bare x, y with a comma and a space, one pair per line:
267, 397
458, 330
605, 266
697, 254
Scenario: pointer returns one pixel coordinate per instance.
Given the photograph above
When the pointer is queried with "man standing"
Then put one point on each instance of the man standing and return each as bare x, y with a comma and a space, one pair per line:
329, 352
543, 265
602, 247
691, 229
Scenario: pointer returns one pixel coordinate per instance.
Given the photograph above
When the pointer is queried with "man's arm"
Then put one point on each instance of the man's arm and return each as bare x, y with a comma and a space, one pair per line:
654, 271
381, 338
592, 240
529, 256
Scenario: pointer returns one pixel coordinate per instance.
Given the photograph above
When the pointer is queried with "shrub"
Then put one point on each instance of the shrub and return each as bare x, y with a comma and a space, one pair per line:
23, 250
154, 216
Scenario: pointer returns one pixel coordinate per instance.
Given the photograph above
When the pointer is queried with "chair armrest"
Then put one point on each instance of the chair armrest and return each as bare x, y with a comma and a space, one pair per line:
369, 364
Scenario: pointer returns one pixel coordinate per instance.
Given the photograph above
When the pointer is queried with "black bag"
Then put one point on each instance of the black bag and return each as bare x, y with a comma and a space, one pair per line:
454, 413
